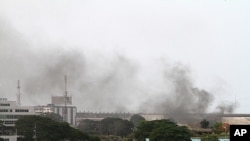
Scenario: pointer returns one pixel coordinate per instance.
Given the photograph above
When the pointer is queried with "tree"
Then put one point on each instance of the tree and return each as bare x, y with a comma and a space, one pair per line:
204, 123
115, 126
209, 138
136, 119
45, 128
107, 126
89, 126
162, 130
218, 127
54, 116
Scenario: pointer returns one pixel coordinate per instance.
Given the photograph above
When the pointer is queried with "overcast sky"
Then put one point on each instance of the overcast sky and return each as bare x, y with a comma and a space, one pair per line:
209, 37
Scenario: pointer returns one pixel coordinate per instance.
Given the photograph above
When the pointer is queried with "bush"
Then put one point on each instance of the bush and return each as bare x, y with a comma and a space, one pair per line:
210, 138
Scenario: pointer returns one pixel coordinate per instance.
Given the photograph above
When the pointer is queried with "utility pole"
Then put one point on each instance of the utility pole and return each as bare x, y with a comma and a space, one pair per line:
18, 93
65, 99
35, 137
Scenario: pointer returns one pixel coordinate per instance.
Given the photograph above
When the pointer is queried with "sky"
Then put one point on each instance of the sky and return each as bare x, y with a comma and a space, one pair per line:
127, 56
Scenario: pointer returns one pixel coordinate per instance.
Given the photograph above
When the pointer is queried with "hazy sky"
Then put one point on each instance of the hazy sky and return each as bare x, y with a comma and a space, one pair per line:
211, 38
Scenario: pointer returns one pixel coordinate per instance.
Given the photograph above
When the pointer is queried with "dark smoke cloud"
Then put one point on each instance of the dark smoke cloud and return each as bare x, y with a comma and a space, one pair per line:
182, 97
226, 107
96, 83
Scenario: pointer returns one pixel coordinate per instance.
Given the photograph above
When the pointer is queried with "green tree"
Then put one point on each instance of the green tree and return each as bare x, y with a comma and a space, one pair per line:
54, 116
218, 127
115, 126
204, 123
162, 130
89, 126
45, 128
209, 138
136, 119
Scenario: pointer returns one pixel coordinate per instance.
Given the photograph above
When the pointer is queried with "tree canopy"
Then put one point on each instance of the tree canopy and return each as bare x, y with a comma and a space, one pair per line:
204, 123
107, 126
136, 119
209, 138
44, 128
162, 130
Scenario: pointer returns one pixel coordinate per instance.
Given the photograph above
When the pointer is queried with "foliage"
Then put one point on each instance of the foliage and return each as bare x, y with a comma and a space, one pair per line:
210, 138
47, 129
136, 119
107, 126
220, 127
89, 126
54, 116
162, 130
204, 123
115, 126
94, 138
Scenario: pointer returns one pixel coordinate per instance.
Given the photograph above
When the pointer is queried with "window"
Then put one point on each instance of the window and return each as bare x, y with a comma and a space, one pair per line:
4, 104
21, 110
3, 110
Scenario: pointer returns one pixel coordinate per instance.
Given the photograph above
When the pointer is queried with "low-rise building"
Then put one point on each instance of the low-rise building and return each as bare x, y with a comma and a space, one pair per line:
10, 112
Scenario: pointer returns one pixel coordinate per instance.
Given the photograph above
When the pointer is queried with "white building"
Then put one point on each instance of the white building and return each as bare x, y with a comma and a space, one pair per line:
51, 108
66, 111
10, 112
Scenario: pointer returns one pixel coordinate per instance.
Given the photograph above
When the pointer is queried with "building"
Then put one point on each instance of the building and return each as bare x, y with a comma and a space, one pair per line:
66, 111
10, 112
100, 116
51, 108
61, 100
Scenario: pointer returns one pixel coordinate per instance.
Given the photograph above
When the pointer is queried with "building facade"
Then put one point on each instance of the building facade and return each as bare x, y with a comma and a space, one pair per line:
10, 112
69, 116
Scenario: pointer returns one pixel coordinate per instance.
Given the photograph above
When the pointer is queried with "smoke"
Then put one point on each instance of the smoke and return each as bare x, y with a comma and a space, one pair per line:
226, 107
97, 83
181, 98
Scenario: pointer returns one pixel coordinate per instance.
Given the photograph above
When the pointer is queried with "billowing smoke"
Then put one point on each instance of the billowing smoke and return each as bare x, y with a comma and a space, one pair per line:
113, 84
226, 107
181, 98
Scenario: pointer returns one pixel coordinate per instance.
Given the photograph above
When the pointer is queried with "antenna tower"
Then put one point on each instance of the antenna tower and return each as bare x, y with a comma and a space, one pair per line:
65, 99
18, 93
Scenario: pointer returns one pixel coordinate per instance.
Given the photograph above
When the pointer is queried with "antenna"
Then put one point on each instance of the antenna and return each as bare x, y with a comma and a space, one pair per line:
235, 102
65, 90
18, 93
65, 98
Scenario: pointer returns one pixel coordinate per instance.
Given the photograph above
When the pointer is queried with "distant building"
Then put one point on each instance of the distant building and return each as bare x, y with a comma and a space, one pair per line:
51, 108
60, 100
66, 111
10, 112
98, 116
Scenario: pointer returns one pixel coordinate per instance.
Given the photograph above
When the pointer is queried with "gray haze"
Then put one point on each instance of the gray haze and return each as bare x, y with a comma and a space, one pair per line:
115, 84
145, 56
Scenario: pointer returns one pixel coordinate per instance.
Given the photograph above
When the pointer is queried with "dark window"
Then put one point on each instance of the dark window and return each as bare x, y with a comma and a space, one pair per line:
4, 104
21, 110
3, 110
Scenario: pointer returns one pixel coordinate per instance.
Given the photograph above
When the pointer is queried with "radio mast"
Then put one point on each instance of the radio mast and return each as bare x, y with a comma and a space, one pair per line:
65, 99
18, 93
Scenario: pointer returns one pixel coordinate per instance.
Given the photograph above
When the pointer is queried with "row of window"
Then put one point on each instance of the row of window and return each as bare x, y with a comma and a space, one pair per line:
4, 104
16, 110
21, 110
3, 110
10, 116
9, 122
